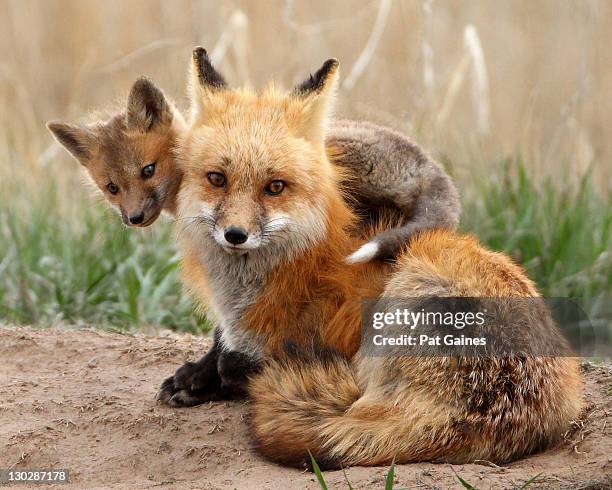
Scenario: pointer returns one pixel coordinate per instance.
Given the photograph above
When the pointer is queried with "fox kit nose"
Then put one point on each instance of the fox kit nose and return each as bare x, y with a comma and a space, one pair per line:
136, 218
235, 235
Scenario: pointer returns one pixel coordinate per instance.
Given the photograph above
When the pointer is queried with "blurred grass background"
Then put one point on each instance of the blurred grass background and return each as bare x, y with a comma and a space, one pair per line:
514, 97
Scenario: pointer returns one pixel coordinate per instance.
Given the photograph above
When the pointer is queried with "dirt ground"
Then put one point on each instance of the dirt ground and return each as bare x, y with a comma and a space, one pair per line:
83, 400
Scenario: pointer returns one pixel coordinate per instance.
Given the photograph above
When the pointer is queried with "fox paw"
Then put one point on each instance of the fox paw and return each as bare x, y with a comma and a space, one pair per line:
168, 394
195, 376
193, 383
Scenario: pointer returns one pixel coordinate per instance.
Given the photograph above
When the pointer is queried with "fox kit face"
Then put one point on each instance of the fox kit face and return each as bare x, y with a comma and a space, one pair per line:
130, 157
256, 175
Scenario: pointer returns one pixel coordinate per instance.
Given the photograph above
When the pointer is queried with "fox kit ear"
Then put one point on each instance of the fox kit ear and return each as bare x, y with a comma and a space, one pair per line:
204, 80
147, 107
80, 141
317, 93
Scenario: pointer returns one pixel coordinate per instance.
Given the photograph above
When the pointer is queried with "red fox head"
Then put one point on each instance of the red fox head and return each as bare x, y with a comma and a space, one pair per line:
256, 173
130, 157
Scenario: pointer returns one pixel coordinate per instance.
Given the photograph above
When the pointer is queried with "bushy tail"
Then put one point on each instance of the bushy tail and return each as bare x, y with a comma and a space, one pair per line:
371, 410
316, 405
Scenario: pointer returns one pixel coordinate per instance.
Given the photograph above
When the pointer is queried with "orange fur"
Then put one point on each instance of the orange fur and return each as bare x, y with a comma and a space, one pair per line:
372, 410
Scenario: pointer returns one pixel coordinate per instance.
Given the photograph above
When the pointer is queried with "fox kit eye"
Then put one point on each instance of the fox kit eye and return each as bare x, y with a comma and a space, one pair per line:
215, 178
112, 188
148, 171
275, 187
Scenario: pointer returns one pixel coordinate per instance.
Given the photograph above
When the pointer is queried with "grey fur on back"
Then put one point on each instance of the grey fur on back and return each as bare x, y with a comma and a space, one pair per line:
390, 171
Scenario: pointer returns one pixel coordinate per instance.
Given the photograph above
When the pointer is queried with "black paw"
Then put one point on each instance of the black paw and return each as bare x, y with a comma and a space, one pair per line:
193, 383
168, 394
217, 376
196, 376
166, 390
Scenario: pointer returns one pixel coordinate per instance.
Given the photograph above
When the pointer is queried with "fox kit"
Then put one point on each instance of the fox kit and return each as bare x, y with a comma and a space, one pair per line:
270, 227
130, 156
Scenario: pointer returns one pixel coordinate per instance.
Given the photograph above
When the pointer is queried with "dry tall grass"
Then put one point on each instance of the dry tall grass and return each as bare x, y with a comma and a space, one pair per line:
474, 81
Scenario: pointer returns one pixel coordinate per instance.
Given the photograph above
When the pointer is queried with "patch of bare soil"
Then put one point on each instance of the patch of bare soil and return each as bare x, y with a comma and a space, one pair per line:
83, 400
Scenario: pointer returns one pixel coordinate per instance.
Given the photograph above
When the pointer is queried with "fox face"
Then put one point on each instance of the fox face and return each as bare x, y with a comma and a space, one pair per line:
130, 157
256, 174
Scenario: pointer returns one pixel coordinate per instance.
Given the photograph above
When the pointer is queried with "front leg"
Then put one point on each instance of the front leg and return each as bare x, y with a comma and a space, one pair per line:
235, 368
219, 375
198, 382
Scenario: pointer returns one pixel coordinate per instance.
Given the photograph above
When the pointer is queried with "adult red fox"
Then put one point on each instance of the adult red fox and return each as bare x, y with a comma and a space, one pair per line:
263, 214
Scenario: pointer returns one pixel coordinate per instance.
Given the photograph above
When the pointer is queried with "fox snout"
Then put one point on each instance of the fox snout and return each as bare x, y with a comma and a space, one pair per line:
235, 235
141, 212
136, 218
237, 223
140, 218
133, 218
236, 239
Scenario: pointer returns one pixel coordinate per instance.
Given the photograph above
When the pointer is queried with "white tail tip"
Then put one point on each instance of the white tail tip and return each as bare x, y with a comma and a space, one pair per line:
365, 253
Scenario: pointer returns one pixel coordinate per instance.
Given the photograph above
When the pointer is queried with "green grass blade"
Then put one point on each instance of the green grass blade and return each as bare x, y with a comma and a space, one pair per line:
317, 472
348, 482
463, 483
530, 481
390, 476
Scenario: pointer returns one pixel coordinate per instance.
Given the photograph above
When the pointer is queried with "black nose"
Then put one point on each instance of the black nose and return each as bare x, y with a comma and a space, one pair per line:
137, 218
236, 235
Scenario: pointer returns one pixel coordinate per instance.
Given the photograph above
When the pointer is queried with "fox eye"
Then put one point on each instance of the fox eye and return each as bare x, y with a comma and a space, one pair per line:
112, 188
275, 187
148, 171
215, 178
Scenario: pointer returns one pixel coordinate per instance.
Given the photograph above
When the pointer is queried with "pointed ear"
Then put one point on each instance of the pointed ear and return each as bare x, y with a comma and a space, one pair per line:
317, 93
204, 80
322, 80
79, 140
147, 107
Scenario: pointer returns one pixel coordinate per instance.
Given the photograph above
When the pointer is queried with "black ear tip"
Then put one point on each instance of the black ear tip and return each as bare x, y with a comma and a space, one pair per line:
330, 64
200, 54
315, 83
328, 68
206, 72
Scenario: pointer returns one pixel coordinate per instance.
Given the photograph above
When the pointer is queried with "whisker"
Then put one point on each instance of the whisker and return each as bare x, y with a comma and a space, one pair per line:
184, 218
